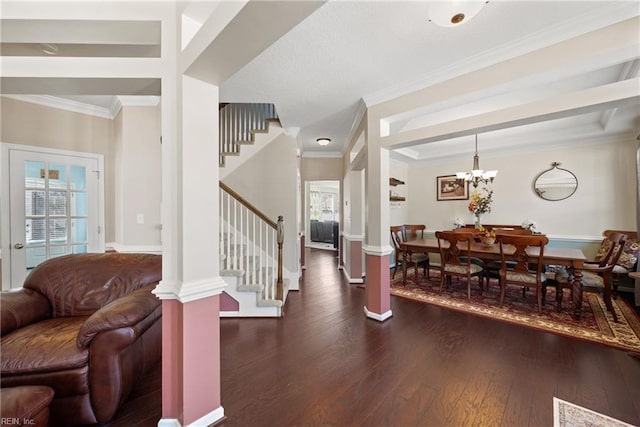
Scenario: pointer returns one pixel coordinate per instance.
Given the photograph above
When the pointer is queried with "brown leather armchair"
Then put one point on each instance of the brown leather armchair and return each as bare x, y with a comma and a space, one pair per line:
86, 325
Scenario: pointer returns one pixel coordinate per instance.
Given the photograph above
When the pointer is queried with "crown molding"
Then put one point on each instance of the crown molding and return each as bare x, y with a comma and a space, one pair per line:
92, 110
64, 104
575, 27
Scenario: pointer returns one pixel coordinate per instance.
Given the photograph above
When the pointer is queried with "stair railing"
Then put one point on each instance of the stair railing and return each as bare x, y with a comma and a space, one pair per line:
238, 124
252, 243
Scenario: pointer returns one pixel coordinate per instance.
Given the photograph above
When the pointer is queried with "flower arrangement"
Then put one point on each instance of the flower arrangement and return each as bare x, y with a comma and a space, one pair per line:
480, 202
459, 222
528, 224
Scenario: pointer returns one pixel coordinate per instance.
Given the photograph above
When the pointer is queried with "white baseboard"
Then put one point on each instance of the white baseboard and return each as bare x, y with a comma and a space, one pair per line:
379, 317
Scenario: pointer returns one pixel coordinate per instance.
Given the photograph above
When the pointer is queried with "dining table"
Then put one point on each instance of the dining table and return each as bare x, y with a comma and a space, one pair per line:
569, 257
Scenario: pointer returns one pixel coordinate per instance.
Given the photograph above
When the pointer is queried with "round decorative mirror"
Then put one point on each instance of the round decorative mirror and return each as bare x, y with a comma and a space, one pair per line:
555, 183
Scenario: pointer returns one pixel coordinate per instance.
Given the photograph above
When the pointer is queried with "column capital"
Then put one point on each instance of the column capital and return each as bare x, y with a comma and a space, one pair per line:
377, 250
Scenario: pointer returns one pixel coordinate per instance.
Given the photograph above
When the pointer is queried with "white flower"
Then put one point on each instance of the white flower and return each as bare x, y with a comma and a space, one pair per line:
459, 222
529, 224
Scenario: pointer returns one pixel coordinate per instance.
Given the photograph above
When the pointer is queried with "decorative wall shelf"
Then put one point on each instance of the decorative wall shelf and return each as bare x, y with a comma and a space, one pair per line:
395, 197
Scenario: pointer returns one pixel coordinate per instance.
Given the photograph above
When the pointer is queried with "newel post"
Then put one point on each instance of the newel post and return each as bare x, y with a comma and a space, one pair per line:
279, 284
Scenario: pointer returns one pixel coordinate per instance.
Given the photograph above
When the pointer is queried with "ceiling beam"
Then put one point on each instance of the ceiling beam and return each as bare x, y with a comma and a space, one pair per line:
253, 29
594, 99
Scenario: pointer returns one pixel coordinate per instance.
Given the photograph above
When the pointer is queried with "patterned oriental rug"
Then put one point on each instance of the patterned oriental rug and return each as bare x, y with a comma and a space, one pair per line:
596, 323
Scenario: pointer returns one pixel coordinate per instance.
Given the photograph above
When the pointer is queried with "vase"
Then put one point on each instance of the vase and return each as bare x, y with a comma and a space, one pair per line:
477, 221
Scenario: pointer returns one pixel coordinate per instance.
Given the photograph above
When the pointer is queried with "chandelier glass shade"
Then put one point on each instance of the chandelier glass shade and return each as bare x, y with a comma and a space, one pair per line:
477, 175
323, 141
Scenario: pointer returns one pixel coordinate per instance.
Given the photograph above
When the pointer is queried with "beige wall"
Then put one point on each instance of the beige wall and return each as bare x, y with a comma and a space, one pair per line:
605, 198
32, 124
268, 181
321, 169
132, 154
138, 178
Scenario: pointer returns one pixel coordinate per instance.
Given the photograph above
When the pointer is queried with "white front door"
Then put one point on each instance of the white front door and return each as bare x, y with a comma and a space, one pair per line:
55, 207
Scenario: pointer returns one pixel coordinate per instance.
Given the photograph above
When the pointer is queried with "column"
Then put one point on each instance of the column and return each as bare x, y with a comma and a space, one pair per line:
191, 284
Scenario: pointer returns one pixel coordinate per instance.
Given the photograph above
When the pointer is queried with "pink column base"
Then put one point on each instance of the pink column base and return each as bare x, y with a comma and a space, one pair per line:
378, 294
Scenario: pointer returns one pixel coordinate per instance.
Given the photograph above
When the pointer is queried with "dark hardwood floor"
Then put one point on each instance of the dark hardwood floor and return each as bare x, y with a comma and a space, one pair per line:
325, 363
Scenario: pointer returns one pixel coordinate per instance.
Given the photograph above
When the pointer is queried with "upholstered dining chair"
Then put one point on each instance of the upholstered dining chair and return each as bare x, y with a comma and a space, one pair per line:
398, 236
455, 260
595, 276
474, 260
518, 267
493, 267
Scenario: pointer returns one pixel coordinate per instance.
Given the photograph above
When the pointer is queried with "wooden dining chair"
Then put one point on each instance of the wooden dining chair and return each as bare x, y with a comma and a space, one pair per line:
518, 267
493, 267
474, 260
415, 232
599, 277
398, 236
455, 258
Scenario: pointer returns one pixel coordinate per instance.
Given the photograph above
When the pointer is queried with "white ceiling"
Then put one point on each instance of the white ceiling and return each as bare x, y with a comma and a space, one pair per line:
348, 54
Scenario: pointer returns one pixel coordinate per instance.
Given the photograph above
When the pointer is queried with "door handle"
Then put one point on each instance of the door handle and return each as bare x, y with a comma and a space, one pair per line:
18, 246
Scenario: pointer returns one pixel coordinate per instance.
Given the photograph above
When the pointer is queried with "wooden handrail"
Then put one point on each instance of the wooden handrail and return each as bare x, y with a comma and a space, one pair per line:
249, 206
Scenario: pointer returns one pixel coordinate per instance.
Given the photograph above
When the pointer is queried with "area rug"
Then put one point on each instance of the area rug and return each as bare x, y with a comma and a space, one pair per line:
567, 414
596, 323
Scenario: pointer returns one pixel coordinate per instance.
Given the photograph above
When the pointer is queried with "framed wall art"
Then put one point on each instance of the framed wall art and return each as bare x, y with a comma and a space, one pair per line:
449, 187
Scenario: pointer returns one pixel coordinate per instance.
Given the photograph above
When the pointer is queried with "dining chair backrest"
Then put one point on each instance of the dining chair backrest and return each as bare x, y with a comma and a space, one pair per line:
397, 236
414, 231
612, 239
464, 230
451, 253
618, 241
513, 231
514, 248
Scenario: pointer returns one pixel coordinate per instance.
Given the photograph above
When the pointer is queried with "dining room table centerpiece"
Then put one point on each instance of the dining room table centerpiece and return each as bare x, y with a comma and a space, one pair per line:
480, 204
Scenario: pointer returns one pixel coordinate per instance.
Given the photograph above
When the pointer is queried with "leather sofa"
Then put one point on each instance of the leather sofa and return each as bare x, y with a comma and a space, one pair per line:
86, 325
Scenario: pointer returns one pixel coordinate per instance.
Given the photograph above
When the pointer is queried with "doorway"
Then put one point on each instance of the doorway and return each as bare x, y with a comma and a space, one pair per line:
323, 214
55, 207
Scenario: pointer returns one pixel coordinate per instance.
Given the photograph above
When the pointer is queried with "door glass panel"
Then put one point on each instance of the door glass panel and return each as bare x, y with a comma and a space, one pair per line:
35, 231
34, 174
33, 202
78, 178
79, 230
57, 202
57, 175
78, 204
35, 256
55, 251
79, 249
57, 230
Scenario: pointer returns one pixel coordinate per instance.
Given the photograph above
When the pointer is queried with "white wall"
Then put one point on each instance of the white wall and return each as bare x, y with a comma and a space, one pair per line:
605, 198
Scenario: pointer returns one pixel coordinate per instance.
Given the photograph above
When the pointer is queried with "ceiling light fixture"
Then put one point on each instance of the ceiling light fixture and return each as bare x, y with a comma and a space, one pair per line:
477, 175
323, 141
453, 12
49, 48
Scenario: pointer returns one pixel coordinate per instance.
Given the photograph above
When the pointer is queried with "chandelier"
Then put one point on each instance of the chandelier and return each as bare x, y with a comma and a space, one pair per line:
477, 175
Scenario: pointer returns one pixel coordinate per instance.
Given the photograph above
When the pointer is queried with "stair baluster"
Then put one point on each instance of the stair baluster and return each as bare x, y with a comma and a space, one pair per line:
252, 244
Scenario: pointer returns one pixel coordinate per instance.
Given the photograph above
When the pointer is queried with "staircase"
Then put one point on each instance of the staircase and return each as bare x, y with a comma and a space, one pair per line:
244, 130
250, 242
